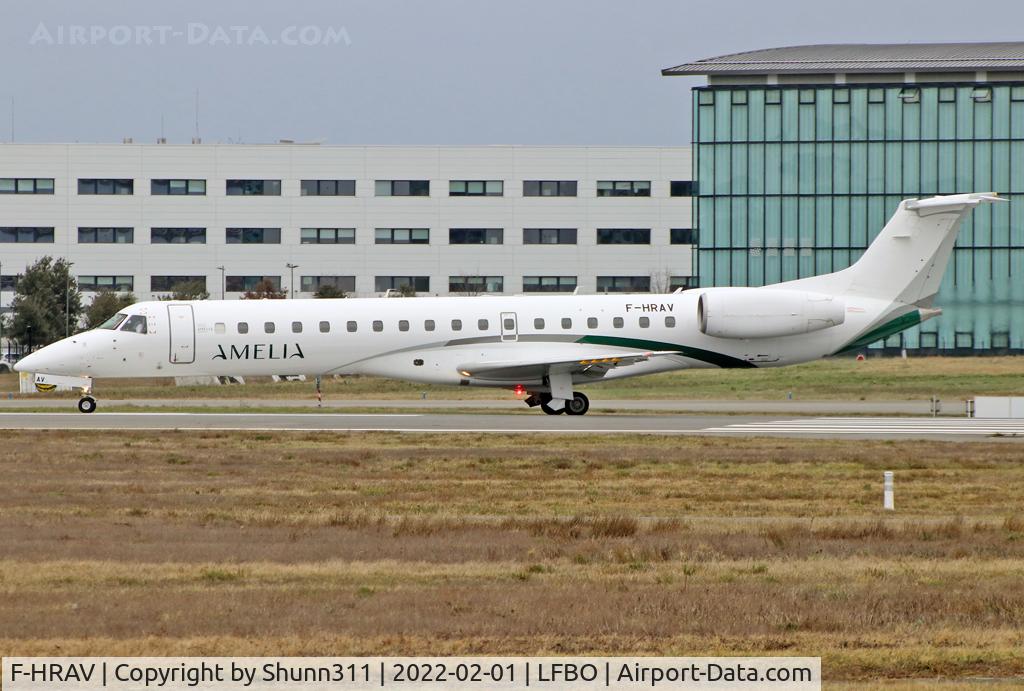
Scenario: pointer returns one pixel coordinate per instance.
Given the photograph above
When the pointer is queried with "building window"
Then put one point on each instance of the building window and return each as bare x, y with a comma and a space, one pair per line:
420, 284
328, 236
929, 340
1016, 94
683, 236
253, 188
118, 236
311, 284
549, 236
549, 188
402, 188
773, 97
178, 236
910, 95
623, 188
9, 282
739, 97
947, 94
841, 96
253, 236
623, 236
328, 188
100, 283
476, 188
476, 284
26, 235
981, 94
963, 339
476, 236
105, 186
684, 282
549, 284
682, 188
242, 284
169, 284
876, 95
705, 97
806, 96
177, 187
26, 185
402, 236
623, 284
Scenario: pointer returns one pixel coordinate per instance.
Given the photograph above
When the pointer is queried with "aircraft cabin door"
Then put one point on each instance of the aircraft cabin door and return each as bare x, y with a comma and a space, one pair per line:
183, 334
509, 327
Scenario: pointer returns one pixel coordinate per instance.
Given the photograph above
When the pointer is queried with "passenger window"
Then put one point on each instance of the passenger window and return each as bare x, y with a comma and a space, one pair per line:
268, 327
566, 323
591, 322
617, 322
351, 326
670, 322
219, 328
296, 327
325, 327
403, 325
645, 322
135, 324
243, 327
538, 323
378, 325
482, 324
456, 325
510, 324
428, 325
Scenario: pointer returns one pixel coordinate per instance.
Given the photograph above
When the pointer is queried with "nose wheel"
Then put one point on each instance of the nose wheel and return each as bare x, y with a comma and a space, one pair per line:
86, 404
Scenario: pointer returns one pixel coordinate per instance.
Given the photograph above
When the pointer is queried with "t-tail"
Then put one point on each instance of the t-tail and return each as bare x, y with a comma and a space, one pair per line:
902, 269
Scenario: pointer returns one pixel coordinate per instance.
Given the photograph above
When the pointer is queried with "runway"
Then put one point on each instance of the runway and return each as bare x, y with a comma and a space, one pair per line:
961, 429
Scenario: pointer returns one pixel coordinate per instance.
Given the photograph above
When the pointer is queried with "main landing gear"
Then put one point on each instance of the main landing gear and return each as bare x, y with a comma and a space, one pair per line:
579, 404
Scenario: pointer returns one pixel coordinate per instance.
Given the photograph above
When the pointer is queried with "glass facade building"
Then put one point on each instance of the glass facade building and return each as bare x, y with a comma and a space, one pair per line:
796, 177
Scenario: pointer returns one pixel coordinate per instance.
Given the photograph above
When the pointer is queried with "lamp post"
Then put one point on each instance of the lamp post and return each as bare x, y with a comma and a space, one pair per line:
67, 302
291, 281
221, 282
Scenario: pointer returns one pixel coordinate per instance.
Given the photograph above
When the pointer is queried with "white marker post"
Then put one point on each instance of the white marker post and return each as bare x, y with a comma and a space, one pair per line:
887, 500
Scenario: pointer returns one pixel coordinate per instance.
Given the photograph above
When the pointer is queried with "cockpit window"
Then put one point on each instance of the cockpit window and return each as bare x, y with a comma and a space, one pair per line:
136, 323
113, 322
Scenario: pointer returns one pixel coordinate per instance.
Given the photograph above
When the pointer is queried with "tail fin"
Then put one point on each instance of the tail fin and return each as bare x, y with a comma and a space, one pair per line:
905, 263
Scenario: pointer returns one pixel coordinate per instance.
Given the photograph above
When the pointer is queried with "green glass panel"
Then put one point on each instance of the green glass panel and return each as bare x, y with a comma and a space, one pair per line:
755, 115
910, 115
772, 266
706, 168
929, 168
823, 261
1000, 225
706, 124
876, 121
981, 226
755, 221
929, 113
911, 159
1017, 120
738, 221
947, 168
876, 167
823, 221
721, 223
790, 267
893, 168
858, 221
858, 167
738, 166
772, 221
772, 123
947, 120
983, 120
1001, 112
964, 113
805, 161
1001, 167
841, 168
723, 117
964, 167
807, 119
706, 221
790, 221
823, 168
858, 114
755, 169
823, 116
773, 168
894, 107
981, 176
840, 221
841, 121
790, 115
805, 229
738, 268
878, 214
722, 274
755, 267
722, 174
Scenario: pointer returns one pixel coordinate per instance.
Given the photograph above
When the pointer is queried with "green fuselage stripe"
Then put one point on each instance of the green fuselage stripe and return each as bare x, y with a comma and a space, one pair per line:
893, 326
718, 359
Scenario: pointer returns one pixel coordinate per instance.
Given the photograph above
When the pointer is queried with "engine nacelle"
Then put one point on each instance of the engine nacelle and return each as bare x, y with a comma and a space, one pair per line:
766, 313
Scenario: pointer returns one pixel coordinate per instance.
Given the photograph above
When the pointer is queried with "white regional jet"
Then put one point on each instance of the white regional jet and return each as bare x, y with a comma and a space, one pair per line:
544, 346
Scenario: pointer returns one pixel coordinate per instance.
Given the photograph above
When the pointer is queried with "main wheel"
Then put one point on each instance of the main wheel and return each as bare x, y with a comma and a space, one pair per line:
86, 404
578, 405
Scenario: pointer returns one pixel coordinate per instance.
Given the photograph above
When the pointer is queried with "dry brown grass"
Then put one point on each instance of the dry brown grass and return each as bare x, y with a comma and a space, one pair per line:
309, 543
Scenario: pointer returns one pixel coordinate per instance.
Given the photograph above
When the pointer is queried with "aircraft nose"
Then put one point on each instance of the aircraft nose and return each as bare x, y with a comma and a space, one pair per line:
57, 358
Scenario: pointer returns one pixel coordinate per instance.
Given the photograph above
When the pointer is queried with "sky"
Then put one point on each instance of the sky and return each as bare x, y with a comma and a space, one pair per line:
570, 72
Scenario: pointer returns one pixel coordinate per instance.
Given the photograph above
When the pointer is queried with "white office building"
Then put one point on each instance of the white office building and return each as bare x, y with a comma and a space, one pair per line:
443, 219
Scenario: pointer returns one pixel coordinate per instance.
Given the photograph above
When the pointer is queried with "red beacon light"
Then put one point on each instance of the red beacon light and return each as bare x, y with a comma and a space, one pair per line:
519, 391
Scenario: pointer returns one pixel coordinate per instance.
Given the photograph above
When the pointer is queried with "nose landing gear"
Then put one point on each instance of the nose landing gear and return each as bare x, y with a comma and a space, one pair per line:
86, 404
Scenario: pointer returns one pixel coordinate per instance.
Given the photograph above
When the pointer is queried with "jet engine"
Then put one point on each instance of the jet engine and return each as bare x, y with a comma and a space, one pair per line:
766, 313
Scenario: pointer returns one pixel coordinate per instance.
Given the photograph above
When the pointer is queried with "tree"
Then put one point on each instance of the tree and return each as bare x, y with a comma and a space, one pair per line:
264, 290
46, 304
407, 290
188, 290
105, 305
327, 291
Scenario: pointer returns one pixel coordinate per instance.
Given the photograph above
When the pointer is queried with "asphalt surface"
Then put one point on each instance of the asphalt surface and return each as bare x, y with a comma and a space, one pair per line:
954, 429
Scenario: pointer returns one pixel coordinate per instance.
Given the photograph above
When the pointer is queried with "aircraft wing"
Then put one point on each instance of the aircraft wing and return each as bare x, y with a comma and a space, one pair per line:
527, 369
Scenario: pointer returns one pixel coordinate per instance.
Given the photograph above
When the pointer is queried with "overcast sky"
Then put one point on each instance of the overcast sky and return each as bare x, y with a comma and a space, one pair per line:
413, 72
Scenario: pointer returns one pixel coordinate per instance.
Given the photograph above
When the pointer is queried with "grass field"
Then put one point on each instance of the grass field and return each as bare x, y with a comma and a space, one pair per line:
950, 379
313, 543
